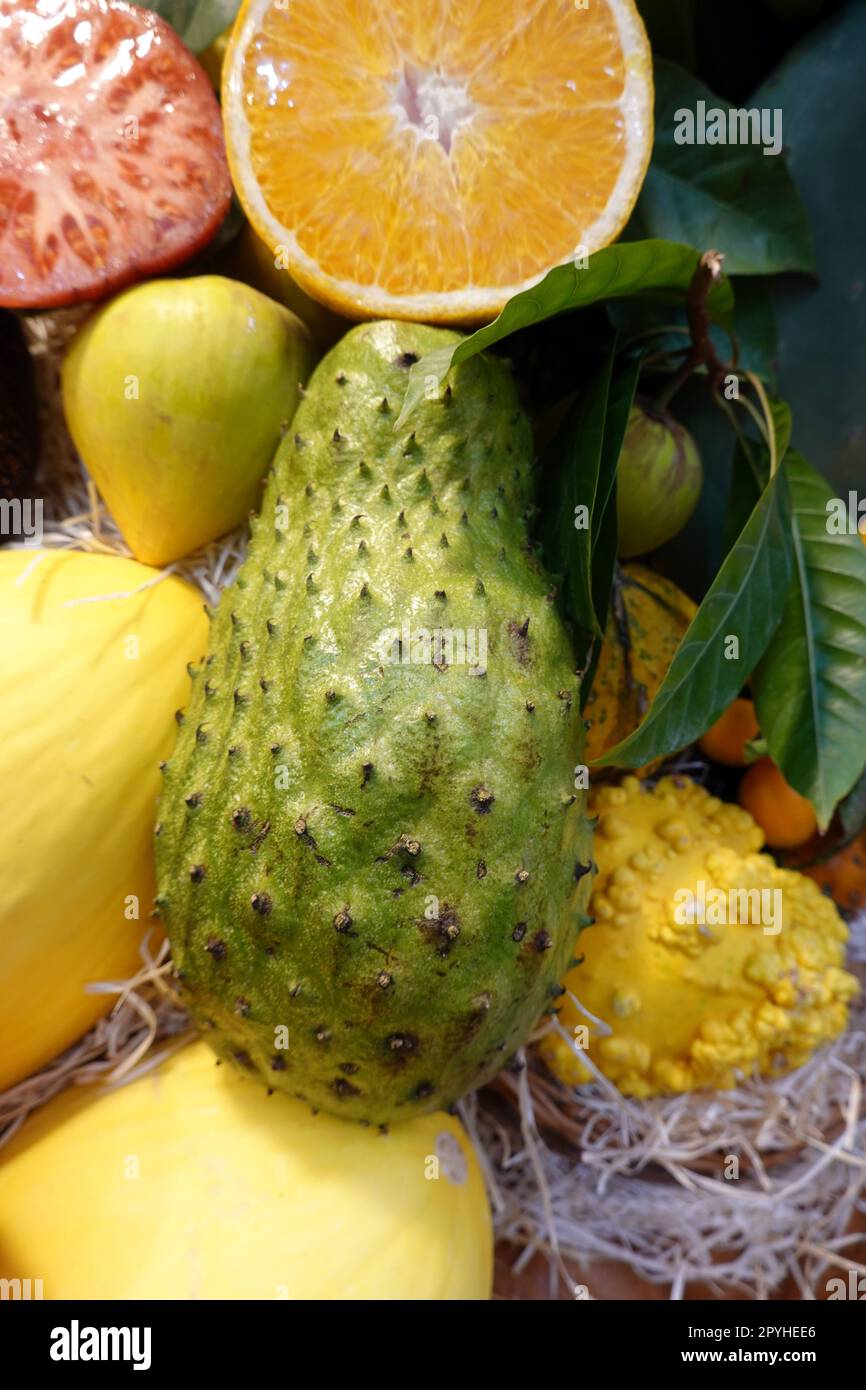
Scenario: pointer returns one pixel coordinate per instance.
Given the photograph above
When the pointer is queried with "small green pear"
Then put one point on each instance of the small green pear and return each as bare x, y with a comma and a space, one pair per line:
176, 394
659, 480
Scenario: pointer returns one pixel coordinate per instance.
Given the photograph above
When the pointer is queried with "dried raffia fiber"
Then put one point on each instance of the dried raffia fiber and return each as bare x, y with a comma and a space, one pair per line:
593, 1174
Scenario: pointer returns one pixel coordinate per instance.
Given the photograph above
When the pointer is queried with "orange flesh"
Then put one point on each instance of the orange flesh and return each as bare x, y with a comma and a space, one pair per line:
409, 144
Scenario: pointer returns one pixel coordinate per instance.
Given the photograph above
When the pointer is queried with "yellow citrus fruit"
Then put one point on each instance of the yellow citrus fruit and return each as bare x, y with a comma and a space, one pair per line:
427, 161
786, 817
725, 741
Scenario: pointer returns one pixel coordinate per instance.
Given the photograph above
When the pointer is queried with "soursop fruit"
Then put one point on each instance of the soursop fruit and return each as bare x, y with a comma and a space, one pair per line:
372, 863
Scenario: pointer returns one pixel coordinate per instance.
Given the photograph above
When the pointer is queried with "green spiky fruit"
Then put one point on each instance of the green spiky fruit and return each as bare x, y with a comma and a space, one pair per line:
372, 864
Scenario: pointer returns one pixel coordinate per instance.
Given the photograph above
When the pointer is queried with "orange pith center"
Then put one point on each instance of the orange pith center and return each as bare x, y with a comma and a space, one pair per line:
463, 143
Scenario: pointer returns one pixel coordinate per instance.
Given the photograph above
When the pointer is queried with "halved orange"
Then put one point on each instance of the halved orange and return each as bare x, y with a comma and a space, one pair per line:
427, 159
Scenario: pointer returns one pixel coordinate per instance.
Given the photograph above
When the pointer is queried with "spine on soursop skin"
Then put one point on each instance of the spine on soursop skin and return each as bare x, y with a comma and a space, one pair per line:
372, 863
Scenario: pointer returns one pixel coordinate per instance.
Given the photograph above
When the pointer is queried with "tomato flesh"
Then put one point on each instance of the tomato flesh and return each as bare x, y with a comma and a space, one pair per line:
112, 162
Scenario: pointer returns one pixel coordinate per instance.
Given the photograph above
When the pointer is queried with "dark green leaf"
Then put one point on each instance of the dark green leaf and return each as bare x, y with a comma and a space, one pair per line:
730, 197
822, 328
782, 426
606, 535
747, 484
852, 811
655, 326
198, 22
589, 654
615, 272
744, 602
755, 327
571, 464
810, 687
579, 471
751, 468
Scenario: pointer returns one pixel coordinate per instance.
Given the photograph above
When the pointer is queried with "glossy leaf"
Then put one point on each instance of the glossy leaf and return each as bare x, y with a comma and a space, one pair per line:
579, 469
605, 536
571, 464
744, 602
810, 687
732, 197
652, 267
783, 424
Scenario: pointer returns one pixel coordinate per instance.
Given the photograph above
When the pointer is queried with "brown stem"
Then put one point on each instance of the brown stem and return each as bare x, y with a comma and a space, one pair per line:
702, 352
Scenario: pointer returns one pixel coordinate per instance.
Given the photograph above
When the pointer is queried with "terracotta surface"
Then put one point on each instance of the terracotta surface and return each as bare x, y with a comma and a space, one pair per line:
610, 1280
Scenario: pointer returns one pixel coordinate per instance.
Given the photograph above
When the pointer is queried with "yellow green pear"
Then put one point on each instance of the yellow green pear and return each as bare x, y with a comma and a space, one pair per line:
176, 394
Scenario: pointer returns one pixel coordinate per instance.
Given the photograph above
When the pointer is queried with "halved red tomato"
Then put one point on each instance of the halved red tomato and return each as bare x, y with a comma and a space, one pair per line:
112, 163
